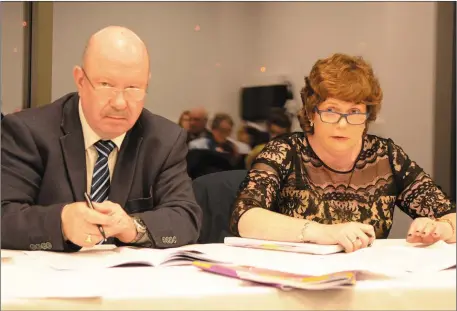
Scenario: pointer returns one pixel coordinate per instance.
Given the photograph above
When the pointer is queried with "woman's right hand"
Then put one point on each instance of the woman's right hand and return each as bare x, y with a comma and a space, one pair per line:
352, 235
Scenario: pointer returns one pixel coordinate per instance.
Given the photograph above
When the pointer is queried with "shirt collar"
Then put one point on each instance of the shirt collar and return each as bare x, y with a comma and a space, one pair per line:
90, 137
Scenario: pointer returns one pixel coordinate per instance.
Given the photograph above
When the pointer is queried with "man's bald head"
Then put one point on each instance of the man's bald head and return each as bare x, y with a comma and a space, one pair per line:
116, 43
199, 112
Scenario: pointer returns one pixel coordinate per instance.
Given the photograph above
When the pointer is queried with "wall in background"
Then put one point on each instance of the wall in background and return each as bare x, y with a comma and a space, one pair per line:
189, 67
12, 55
444, 116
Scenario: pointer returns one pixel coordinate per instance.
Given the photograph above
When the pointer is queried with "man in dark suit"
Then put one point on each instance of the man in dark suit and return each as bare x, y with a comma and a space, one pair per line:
101, 141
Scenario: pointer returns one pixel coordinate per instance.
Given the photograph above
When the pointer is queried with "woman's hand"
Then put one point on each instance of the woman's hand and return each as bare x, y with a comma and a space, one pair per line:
352, 235
428, 231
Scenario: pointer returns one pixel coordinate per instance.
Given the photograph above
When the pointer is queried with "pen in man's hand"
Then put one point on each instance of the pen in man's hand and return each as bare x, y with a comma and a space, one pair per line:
89, 203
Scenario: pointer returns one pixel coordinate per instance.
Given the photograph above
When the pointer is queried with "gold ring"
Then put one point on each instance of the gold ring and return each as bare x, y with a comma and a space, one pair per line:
88, 239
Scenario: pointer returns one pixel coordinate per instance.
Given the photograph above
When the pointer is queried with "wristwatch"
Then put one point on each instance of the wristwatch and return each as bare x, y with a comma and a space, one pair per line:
141, 228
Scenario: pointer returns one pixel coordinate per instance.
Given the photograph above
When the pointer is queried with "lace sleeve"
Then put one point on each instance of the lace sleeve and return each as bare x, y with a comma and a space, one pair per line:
418, 195
263, 182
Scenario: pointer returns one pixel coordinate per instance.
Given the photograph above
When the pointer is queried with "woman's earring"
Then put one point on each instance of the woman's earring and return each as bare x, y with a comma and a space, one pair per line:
311, 123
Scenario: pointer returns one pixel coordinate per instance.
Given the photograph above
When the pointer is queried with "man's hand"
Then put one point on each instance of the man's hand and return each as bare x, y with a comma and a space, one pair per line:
79, 224
122, 226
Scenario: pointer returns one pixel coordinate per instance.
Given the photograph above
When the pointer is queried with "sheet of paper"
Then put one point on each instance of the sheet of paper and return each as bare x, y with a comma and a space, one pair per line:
7, 253
21, 282
307, 248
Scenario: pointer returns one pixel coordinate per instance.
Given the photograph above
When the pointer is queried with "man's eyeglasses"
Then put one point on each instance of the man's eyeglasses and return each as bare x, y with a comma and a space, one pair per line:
333, 117
108, 92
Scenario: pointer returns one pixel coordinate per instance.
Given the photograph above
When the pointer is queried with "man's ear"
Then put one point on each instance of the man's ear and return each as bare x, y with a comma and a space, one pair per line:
78, 77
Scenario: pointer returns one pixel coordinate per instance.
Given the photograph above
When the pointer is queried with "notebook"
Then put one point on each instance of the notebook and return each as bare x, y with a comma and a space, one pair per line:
307, 248
110, 257
279, 279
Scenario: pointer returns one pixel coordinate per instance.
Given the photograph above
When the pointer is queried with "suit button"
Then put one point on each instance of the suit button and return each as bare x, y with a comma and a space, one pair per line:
48, 245
32, 247
43, 246
174, 240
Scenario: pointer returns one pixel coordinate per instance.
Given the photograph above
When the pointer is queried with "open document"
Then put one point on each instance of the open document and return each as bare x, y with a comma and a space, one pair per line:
103, 257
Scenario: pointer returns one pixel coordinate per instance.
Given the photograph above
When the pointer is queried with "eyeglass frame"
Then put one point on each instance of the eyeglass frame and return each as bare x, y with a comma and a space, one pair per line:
115, 90
342, 115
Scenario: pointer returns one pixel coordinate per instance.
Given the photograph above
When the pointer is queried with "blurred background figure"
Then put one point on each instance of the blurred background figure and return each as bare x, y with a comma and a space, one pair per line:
184, 120
197, 124
277, 124
242, 141
217, 139
214, 153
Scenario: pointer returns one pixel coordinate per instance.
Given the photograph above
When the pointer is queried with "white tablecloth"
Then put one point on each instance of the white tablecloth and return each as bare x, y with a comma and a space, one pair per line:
181, 288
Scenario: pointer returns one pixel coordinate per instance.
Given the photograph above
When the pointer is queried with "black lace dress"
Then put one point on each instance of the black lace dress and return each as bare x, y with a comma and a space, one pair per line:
289, 178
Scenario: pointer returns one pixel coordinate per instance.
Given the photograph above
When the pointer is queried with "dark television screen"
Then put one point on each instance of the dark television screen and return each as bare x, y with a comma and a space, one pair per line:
257, 101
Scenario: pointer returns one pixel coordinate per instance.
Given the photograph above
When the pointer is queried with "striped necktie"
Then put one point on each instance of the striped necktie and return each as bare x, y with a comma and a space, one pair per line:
100, 178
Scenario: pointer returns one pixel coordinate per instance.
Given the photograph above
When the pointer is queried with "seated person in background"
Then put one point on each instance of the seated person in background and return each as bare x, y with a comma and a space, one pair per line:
184, 120
100, 140
334, 183
277, 124
242, 141
221, 128
197, 124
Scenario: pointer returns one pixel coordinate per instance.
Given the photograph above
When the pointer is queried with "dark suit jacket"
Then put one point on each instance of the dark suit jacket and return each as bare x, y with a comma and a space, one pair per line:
44, 168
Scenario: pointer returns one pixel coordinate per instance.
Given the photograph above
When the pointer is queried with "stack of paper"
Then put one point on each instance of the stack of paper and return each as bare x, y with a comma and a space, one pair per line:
388, 260
280, 279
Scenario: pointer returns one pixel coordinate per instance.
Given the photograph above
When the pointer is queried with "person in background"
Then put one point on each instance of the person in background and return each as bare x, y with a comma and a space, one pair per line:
197, 124
277, 124
100, 141
242, 141
334, 183
184, 120
221, 129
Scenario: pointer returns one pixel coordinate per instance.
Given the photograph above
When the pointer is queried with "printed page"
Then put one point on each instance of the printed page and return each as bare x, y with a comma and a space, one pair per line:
308, 248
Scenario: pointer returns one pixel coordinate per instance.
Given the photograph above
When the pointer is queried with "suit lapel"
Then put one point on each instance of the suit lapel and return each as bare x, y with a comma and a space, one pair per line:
72, 143
124, 169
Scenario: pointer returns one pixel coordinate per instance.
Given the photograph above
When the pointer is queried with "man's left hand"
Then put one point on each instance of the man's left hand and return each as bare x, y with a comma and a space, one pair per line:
123, 227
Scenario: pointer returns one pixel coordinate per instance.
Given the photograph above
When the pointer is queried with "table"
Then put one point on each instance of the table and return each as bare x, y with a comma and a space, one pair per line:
179, 288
